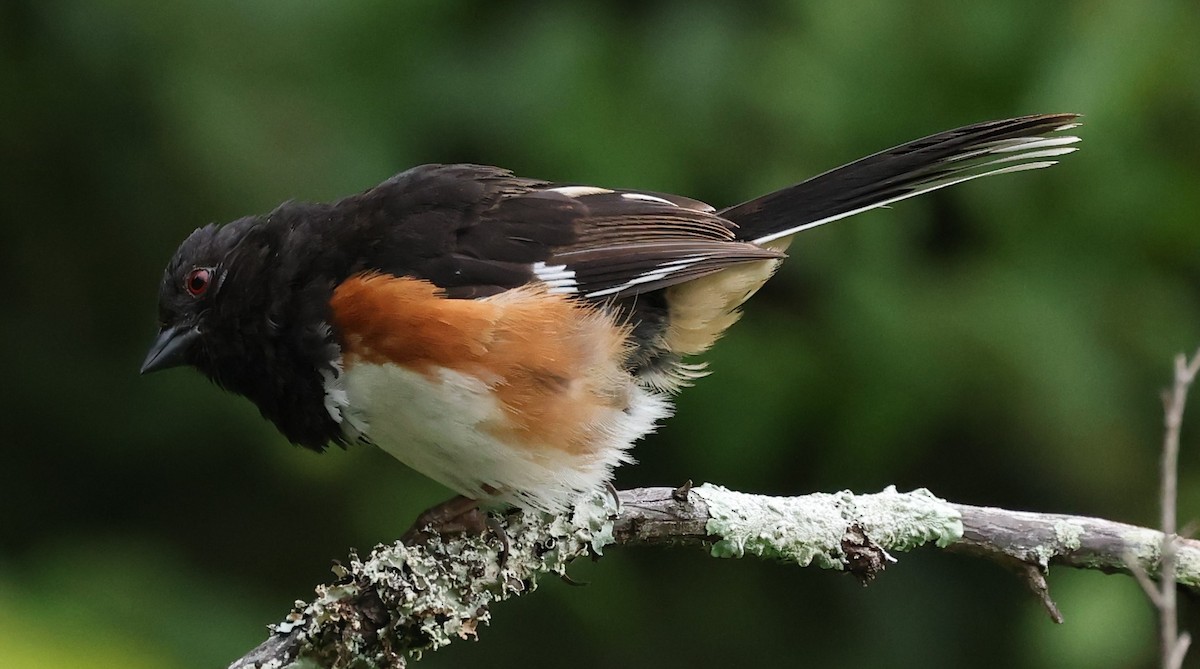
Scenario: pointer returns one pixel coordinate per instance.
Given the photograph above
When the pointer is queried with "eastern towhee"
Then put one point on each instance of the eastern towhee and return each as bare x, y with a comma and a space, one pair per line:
512, 338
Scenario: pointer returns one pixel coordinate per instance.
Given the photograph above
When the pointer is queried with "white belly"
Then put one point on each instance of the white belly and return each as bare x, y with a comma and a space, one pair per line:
444, 425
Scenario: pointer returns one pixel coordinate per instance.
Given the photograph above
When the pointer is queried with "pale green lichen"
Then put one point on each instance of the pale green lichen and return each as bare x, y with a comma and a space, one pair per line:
1147, 552
796, 529
1068, 534
810, 529
1187, 568
1147, 546
903, 521
432, 594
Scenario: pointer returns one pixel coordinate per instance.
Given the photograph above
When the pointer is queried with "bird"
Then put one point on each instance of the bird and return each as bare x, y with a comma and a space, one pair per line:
509, 337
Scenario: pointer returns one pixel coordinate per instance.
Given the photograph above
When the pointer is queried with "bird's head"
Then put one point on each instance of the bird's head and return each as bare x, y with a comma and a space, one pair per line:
246, 304
196, 304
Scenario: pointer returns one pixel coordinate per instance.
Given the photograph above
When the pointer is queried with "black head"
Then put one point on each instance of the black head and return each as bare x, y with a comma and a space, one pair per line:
246, 304
192, 296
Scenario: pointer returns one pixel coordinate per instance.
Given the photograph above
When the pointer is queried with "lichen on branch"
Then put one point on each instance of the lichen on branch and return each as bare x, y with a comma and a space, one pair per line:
404, 600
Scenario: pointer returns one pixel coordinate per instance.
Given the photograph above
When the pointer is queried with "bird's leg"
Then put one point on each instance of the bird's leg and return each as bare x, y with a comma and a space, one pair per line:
457, 515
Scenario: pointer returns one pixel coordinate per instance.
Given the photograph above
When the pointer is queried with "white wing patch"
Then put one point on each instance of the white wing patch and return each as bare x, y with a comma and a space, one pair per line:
578, 191
647, 198
560, 280
662, 271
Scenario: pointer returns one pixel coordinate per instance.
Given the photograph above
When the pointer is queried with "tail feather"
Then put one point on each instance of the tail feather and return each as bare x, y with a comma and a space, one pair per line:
908, 170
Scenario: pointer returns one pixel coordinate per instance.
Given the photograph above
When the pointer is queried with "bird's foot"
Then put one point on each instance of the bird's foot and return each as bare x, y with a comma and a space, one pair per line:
458, 515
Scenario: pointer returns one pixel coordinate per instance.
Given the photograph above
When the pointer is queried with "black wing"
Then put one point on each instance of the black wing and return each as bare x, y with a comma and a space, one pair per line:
476, 231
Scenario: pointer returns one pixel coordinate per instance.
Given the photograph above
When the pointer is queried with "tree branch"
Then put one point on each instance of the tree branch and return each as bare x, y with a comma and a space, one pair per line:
1172, 645
405, 600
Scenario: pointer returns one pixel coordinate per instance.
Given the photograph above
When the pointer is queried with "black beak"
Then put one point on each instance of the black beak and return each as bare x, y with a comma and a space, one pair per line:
170, 348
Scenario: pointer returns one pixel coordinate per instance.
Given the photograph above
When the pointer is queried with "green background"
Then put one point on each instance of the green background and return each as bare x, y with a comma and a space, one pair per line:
1002, 343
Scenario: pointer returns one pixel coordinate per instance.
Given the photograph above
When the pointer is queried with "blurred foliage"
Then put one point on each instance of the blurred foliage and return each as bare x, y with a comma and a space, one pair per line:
1001, 343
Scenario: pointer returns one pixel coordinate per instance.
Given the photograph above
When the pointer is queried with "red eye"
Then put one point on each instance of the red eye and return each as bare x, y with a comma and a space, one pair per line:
197, 281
